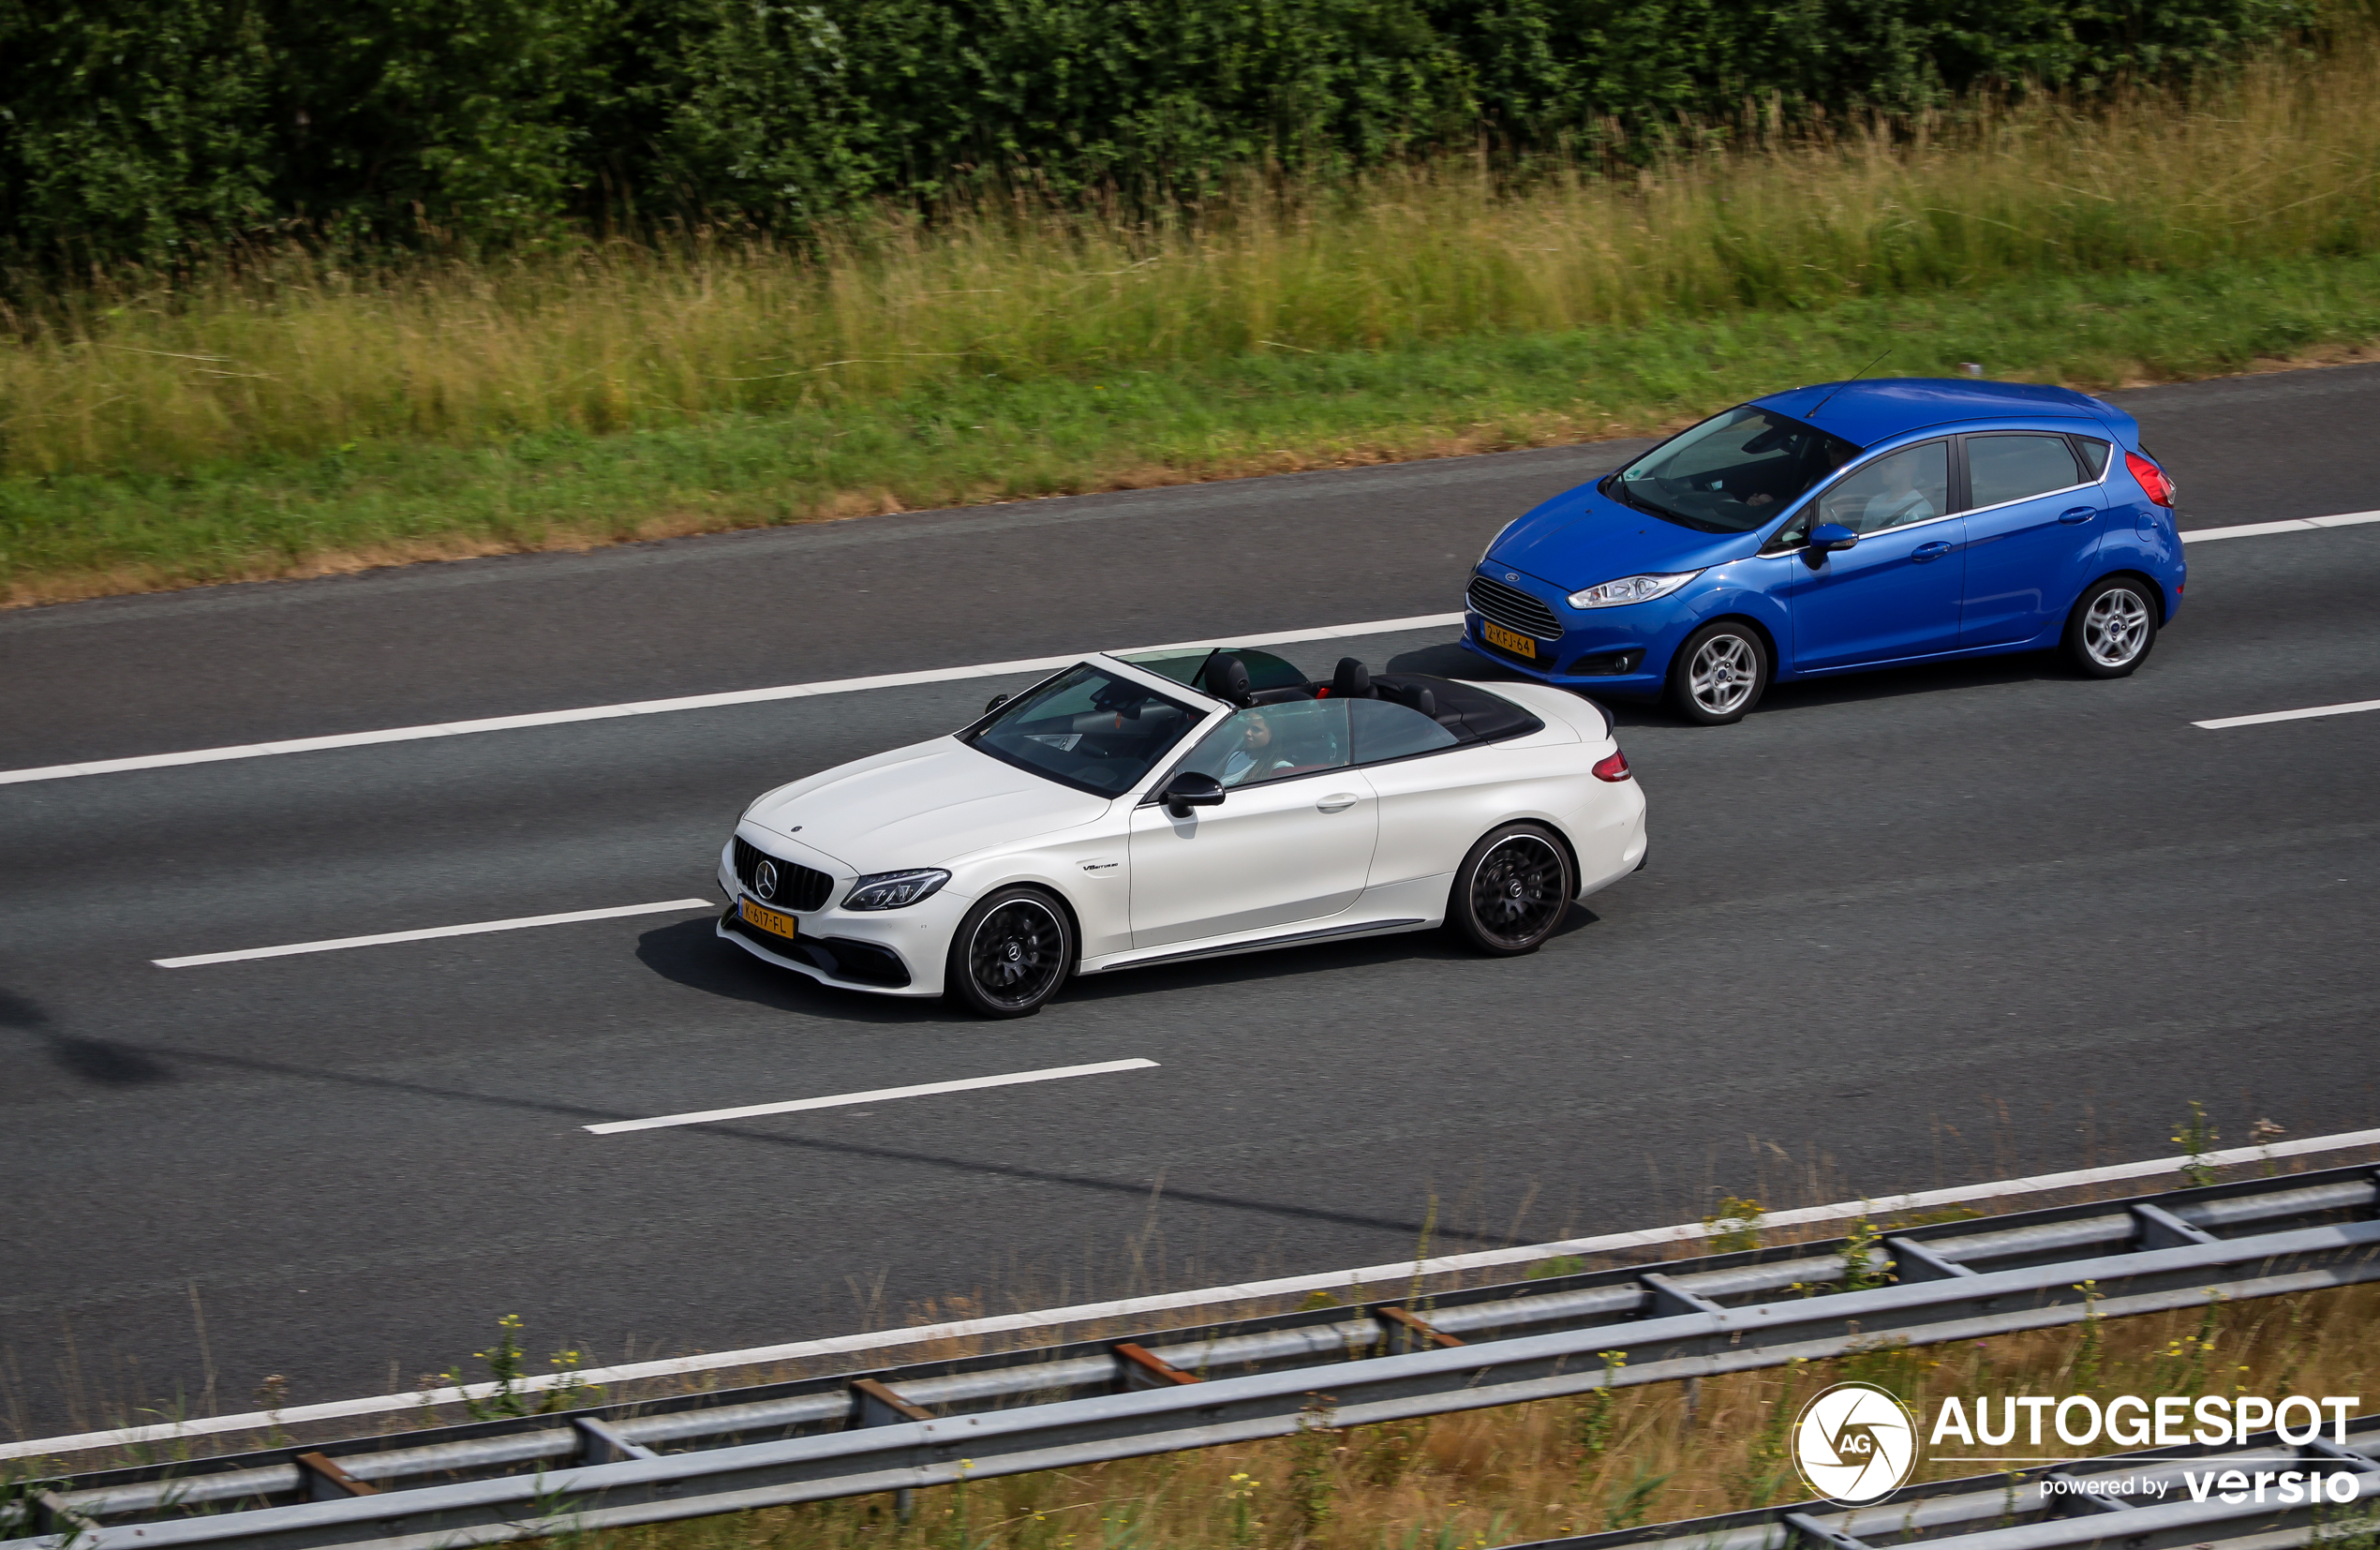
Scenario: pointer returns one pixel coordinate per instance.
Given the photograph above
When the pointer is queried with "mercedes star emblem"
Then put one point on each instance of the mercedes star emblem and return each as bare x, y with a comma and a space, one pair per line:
765, 879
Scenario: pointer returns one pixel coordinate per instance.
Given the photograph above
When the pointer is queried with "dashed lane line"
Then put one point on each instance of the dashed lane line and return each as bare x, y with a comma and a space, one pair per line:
689, 702
881, 681
880, 1094
2308, 713
666, 906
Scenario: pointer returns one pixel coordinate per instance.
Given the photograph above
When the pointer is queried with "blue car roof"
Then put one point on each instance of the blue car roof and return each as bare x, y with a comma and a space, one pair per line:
1867, 412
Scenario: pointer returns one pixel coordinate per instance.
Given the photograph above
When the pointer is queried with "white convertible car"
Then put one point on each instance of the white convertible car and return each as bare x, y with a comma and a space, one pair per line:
1156, 807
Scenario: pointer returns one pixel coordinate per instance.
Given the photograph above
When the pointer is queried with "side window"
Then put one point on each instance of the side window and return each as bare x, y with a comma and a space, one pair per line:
2010, 468
1386, 730
1273, 742
1909, 485
2094, 454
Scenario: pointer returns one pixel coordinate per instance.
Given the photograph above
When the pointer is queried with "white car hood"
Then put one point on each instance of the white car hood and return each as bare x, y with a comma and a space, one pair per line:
920, 806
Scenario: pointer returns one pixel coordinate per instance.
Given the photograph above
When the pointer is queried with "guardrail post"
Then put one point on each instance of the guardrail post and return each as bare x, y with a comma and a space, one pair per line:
874, 1404
600, 1442
1670, 1299
52, 1516
2161, 1229
2357, 1463
1914, 1262
1137, 1367
322, 1479
1404, 1333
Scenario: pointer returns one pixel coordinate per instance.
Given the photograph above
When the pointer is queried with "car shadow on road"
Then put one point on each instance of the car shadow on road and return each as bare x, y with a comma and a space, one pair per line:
689, 953
1282, 964
92, 1060
1883, 684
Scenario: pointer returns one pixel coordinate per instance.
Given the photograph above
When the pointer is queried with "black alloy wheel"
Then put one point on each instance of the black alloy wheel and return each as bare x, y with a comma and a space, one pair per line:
1511, 890
1011, 953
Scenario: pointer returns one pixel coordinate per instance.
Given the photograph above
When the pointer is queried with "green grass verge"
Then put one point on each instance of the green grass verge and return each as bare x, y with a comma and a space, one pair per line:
81, 534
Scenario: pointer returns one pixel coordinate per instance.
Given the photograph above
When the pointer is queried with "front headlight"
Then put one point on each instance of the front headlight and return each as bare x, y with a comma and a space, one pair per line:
1611, 594
1498, 539
893, 890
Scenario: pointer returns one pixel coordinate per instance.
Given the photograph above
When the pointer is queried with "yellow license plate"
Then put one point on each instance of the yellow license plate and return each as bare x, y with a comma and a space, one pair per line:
768, 919
1511, 640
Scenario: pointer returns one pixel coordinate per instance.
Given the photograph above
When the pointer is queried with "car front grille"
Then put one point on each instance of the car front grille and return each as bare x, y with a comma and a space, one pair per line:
1513, 609
798, 887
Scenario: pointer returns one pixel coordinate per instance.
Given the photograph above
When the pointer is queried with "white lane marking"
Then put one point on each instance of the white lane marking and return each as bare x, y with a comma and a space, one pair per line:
473, 929
2293, 525
841, 1100
2307, 714
1392, 1275
847, 686
692, 702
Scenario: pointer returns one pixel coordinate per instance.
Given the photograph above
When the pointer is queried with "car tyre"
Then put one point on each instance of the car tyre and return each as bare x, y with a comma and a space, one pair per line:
1010, 953
1511, 891
2112, 628
1719, 673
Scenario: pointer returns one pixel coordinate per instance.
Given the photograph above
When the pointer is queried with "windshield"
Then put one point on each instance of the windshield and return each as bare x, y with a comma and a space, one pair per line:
1086, 728
1731, 473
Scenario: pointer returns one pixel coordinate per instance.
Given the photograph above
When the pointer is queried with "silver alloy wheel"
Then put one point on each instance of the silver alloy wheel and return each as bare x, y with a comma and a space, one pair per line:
1723, 674
2116, 628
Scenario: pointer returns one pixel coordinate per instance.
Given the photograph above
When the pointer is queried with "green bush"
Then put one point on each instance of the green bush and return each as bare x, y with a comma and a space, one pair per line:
146, 128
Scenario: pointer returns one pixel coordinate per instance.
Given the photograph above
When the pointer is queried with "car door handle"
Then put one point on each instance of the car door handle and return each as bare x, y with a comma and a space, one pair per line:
2077, 513
1925, 552
1338, 802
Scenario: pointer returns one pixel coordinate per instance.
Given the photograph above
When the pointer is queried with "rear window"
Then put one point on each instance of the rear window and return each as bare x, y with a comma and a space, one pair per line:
2094, 454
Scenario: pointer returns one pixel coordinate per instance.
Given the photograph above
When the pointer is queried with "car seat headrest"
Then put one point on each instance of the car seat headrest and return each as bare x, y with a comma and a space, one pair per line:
1352, 681
1226, 680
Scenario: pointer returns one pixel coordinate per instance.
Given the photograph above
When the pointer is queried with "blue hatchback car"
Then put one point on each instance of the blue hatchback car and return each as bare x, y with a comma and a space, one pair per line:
1839, 527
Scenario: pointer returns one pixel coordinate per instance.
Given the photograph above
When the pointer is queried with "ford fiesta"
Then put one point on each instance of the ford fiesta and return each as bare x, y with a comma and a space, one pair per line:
1157, 807
1839, 527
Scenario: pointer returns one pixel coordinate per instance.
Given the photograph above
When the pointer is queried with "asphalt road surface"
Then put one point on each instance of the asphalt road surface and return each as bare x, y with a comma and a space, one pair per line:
1897, 931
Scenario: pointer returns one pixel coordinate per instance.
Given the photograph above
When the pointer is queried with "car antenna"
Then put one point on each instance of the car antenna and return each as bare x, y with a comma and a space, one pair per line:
1849, 380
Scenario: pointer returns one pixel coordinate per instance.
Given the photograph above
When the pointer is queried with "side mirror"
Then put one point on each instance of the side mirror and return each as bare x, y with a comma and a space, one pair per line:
994, 703
1829, 536
1191, 789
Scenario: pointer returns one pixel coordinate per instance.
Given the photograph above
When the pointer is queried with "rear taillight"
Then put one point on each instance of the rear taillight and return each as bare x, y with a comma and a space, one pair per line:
2152, 478
1613, 768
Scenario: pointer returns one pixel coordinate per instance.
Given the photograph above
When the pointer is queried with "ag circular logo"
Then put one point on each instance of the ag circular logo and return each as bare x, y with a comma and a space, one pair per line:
1856, 1443
765, 880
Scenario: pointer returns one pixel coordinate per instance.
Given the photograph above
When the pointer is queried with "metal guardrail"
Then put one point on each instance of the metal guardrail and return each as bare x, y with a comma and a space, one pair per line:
605, 1466
2036, 1511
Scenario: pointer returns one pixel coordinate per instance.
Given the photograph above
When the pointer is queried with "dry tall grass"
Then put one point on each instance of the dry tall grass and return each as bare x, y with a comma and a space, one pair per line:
294, 354
1564, 1466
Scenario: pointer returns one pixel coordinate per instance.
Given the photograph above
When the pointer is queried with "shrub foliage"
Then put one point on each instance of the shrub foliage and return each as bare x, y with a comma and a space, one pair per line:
140, 128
